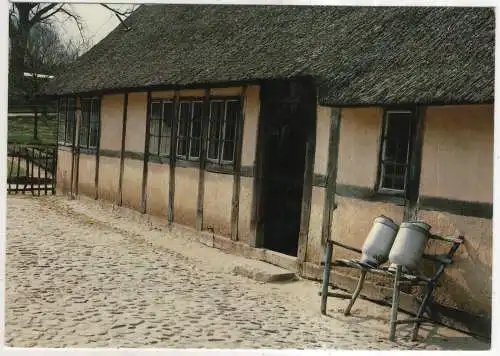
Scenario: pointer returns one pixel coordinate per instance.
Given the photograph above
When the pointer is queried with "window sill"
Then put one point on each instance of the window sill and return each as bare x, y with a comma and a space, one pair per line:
159, 159
85, 150
64, 147
391, 192
390, 197
219, 168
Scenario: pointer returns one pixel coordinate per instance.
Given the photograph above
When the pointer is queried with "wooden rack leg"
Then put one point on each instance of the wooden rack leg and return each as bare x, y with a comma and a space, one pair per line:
326, 275
395, 305
355, 295
421, 309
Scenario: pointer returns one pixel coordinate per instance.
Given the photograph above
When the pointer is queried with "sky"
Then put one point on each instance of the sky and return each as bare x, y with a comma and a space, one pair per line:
98, 21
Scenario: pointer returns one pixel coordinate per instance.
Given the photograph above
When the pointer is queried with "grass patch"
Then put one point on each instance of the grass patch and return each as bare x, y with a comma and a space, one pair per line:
21, 130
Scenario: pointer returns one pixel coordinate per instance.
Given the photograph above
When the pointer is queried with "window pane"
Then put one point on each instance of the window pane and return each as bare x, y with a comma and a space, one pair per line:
93, 136
214, 129
397, 137
84, 135
94, 123
165, 145
154, 126
228, 151
62, 119
166, 128
153, 145
232, 116
197, 117
70, 124
183, 128
398, 183
184, 119
395, 150
387, 182
168, 114
181, 147
213, 148
195, 148
85, 124
194, 151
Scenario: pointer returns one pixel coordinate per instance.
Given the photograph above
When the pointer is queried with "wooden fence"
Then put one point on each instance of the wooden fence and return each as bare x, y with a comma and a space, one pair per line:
31, 168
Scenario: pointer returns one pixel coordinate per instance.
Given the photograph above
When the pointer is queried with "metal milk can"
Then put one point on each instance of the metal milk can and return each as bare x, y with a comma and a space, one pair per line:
409, 245
378, 244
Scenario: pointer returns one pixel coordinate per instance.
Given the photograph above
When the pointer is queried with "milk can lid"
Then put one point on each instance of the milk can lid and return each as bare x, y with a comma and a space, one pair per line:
386, 221
419, 226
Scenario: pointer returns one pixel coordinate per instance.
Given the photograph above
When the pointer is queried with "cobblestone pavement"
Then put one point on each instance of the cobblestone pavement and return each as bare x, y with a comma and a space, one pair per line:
80, 274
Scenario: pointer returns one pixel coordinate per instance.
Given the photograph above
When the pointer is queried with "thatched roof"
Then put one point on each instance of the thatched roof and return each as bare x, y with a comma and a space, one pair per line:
357, 55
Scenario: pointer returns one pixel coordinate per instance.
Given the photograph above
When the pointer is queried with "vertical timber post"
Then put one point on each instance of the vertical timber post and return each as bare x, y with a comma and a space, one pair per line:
203, 159
122, 149
172, 159
73, 145
98, 151
77, 135
331, 178
256, 239
413, 190
310, 150
146, 155
235, 206
56, 151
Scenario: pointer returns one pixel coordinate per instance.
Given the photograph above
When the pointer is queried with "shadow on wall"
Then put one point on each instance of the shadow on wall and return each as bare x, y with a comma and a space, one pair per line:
467, 282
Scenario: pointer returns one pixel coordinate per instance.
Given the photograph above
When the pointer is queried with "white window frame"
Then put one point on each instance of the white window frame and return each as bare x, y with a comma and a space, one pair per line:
381, 177
222, 139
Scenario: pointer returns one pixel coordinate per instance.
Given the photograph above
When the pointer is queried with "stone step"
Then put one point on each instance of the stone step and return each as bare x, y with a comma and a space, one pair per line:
263, 272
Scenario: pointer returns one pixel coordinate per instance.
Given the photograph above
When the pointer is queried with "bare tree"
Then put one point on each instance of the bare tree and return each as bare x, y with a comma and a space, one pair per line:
36, 46
25, 16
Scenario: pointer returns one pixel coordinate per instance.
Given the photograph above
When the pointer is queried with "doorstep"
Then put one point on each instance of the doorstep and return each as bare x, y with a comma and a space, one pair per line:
264, 272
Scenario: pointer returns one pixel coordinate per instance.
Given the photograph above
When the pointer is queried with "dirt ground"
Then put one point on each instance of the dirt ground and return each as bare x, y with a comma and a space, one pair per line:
88, 274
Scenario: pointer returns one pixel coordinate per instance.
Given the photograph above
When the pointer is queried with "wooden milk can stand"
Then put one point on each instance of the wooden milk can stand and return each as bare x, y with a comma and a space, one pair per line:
403, 275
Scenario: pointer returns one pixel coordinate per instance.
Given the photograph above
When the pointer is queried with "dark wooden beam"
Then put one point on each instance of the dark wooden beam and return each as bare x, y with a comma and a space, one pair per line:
203, 158
146, 156
331, 178
56, 153
235, 206
98, 153
78, 125
256, 236
305, 214
430, 103
173, 159
162, 87
122, 156
72, 174
411, 205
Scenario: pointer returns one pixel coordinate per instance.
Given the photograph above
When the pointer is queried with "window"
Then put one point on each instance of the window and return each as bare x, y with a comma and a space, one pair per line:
395, 151
160, 127
224, 117
189, 129
89, 127
223, 123
67, 120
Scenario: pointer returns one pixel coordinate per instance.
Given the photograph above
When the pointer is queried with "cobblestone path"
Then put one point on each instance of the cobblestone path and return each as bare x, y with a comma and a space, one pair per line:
92, 278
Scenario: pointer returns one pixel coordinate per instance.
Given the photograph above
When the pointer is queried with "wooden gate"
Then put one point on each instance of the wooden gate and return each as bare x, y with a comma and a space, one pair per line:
31, 168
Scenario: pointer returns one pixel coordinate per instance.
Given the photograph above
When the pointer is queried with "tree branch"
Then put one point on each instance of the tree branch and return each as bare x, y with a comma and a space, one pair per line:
50, 14
40, 13
126, 13
119, 14
77, 21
